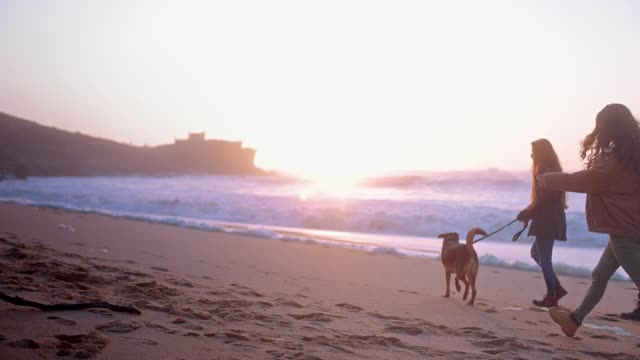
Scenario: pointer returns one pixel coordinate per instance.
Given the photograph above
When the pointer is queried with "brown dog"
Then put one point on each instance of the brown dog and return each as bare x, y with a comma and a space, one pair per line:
462, 260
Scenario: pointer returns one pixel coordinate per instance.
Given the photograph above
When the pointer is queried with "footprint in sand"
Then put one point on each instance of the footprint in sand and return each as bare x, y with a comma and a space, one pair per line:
151, 289
228, 337
498, 346
137, 273
24, 344
290, 303
62, 321
141, 340
119, 326
219, 292
178, 282
610, 356
101, 312
82, 345
410, 330
321, 317
494, 351
409, 292
349, 307
477, 332
159, 327
192, 327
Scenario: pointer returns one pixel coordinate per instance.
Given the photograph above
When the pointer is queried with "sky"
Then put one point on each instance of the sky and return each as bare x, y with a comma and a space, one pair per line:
327, 88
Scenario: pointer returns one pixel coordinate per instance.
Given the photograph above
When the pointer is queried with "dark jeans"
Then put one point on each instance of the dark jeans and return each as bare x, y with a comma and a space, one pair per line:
541, 252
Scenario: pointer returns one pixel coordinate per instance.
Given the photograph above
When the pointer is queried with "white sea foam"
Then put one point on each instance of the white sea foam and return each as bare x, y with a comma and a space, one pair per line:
259, 232
612, 329
67, 227
386, 250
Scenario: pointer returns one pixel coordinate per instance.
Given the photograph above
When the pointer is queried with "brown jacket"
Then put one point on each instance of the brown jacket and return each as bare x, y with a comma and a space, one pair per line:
613, 195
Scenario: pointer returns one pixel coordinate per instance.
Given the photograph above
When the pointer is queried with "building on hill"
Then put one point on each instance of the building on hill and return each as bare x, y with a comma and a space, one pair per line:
198, 154
193, 138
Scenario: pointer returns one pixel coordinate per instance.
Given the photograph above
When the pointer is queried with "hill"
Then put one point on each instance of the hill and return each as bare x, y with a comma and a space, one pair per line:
29, 148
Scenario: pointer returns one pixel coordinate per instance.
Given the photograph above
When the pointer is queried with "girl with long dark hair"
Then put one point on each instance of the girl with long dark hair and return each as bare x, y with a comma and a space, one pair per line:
611, 180
548, 221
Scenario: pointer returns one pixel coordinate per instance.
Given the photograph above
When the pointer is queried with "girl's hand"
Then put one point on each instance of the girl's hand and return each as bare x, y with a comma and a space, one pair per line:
523, 215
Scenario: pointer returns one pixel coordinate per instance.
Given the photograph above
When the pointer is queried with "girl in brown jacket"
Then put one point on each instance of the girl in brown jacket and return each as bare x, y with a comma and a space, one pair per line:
612, 183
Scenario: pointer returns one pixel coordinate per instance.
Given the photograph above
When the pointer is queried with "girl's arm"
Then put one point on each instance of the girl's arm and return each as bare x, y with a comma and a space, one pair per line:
596, 180
576, 182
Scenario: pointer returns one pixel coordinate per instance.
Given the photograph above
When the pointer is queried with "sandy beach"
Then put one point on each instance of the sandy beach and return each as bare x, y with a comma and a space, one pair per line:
208, 295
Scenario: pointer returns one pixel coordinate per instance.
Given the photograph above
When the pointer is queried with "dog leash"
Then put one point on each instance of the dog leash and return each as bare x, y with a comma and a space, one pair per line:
515, 237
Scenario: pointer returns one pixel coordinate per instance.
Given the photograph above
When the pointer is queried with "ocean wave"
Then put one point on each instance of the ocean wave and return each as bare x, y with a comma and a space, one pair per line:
427, 212
453, 179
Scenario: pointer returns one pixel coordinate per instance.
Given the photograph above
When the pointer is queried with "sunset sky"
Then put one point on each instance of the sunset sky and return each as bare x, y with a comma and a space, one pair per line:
327, 88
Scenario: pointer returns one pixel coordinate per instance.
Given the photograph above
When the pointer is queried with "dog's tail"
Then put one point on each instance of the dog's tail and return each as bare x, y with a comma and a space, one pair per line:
472, 233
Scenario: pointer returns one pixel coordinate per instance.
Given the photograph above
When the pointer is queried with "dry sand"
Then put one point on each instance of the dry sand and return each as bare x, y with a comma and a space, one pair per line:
207, 295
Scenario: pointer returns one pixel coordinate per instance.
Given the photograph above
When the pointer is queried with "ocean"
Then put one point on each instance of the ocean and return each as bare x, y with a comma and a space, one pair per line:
400, 214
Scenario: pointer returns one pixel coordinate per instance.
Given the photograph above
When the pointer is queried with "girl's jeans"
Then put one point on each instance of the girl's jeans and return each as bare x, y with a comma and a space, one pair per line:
541, 252
620, 251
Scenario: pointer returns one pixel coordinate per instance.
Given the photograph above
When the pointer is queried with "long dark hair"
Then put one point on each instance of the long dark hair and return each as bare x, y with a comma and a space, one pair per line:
545, 160
616, 128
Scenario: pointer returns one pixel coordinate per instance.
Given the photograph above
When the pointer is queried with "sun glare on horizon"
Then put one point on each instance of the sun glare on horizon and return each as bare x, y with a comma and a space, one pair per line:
336, 187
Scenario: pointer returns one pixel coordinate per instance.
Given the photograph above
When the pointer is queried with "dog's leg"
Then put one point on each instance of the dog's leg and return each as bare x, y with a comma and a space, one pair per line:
472, 280
447, 280
457, 284
466, 287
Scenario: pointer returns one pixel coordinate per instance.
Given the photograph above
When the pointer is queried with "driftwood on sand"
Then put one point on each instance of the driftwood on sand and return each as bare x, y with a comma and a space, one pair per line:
16, 300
